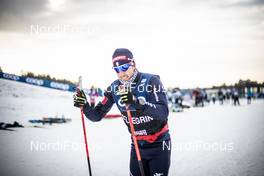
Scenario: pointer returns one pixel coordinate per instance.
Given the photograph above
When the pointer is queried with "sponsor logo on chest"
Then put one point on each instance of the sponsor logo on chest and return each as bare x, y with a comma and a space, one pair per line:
138, 120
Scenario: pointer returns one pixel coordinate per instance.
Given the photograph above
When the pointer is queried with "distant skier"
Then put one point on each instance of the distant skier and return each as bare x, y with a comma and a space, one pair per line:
228, 95
205, 96
236, 97
149, 108
221, 97
93, 94
177, 100
249, 95
213, 97
198, 97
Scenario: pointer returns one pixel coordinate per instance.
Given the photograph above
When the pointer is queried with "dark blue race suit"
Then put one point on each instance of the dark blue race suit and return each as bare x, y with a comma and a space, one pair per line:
149, 120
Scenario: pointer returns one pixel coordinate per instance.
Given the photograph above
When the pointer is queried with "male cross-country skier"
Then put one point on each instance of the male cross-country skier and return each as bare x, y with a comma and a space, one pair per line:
146, 98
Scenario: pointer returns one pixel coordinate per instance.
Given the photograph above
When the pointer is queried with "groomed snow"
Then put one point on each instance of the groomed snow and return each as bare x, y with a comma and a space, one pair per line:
214, 140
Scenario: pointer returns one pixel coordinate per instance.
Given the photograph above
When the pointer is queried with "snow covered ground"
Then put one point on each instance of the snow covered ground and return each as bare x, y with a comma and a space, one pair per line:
214, 140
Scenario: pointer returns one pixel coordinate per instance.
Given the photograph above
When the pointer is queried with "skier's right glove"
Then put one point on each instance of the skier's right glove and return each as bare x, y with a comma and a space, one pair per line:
79, 99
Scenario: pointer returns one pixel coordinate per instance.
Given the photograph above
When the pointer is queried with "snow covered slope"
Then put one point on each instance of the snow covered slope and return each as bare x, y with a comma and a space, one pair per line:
215, 140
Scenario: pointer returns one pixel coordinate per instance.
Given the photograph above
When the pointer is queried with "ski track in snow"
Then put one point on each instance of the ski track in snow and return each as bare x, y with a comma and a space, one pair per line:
236, 132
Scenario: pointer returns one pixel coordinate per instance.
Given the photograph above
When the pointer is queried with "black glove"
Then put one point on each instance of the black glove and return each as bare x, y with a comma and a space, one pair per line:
79, 98
127, 97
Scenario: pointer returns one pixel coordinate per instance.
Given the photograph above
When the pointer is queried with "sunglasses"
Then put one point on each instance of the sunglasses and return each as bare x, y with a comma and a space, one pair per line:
122, 68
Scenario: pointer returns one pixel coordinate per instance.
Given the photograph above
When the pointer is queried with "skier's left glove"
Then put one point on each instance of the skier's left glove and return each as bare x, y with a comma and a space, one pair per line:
127, 97
79, 99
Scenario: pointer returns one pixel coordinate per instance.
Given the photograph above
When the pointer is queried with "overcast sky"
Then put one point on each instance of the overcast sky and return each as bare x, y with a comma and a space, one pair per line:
189, 43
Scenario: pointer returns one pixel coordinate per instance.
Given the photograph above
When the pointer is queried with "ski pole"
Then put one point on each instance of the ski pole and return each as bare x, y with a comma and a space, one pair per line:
85, 140
135, 141
86, 144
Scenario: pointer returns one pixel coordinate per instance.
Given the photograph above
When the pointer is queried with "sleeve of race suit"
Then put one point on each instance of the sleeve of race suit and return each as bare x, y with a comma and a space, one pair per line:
101, 109
157, 106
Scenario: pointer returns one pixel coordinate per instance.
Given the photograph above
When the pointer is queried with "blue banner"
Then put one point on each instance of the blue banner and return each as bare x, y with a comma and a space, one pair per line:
39, 82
